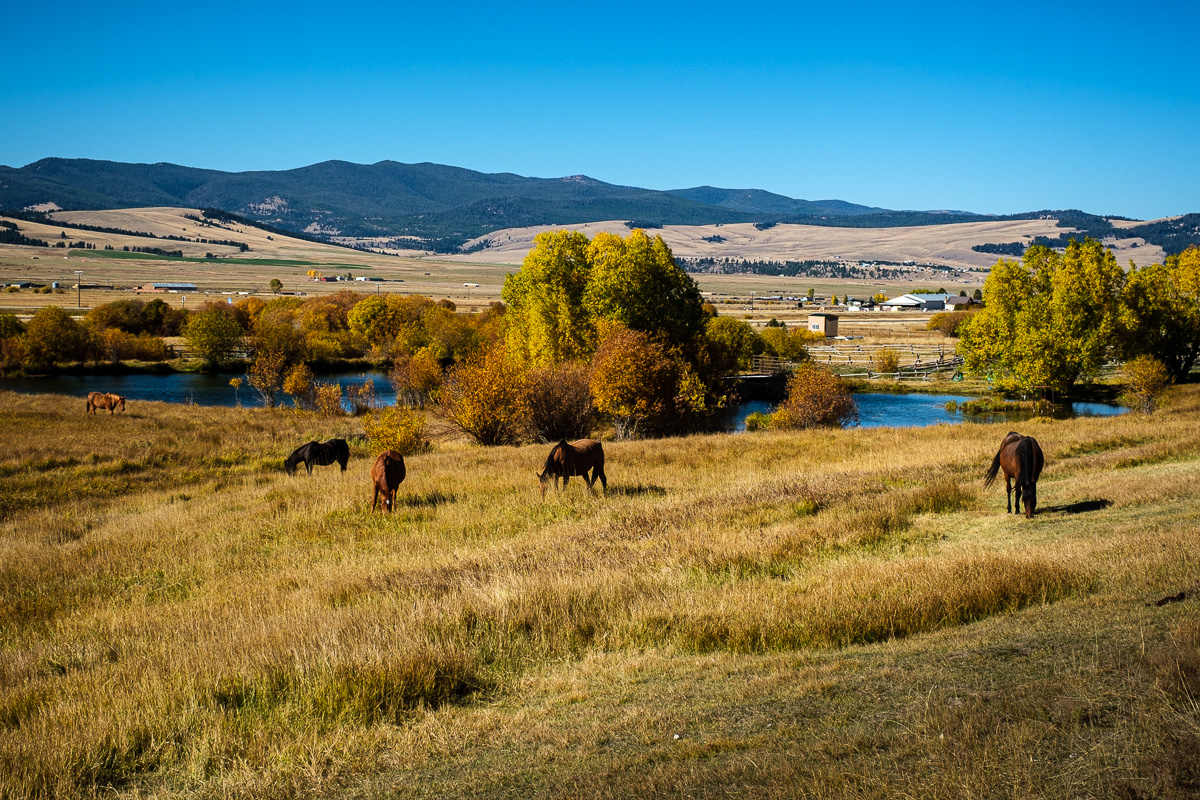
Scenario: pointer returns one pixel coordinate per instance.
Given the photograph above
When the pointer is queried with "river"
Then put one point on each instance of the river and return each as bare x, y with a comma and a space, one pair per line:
875, 410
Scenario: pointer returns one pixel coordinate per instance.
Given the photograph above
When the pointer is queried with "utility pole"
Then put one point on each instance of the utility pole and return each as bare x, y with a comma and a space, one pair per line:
78, 288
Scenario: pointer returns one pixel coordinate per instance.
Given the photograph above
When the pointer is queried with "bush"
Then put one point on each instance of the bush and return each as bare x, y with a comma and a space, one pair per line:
398, 428
816, 398
947, 322
327, 399
559, 402
1145, 379
635, 382
117, 345
485, 399
416, 378
361, 396
887, 360
299, 384
758, 421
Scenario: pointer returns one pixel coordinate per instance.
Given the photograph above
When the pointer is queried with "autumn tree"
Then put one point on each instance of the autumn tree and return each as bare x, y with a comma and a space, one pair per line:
732, 343
1048, 320
636, 283
635, 381
1145, 378
547, 321
558, 401
1160, 312
266, 374
816, 398
484, 397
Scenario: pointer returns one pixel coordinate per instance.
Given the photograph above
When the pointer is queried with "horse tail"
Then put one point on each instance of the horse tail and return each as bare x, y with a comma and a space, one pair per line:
993, 470
1025, 460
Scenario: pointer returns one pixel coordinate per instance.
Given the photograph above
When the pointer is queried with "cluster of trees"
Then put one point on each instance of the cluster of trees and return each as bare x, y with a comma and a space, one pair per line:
1054, 318
121, 331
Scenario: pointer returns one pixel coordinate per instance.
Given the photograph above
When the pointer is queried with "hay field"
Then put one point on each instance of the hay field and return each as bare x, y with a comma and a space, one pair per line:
842, 614
949, 245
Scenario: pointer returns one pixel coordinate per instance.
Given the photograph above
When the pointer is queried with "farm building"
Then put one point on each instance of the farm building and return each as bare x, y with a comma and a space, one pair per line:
823, 323
168, 287
916, 302
960, 303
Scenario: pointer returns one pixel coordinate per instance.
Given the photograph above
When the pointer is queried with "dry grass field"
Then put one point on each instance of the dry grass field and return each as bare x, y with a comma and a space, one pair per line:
841, 614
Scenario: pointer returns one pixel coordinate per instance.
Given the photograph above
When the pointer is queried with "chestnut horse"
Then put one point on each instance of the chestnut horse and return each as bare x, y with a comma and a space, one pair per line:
320, 453
101, 400
568, 460
387, 472
1022, 460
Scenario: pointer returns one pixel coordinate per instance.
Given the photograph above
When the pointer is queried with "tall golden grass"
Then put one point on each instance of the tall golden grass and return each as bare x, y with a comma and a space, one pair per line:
179, 617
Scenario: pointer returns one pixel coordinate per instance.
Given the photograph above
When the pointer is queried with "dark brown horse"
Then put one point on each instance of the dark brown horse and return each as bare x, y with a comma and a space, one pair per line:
101, 400
388, 473
1022, 461
320, 453
568, 460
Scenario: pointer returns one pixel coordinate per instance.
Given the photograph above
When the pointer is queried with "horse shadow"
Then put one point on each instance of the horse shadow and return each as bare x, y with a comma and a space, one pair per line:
426, 500
640, 490
1081, 507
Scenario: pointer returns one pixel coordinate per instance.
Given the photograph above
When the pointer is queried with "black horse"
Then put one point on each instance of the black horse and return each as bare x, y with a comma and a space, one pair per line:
320, 453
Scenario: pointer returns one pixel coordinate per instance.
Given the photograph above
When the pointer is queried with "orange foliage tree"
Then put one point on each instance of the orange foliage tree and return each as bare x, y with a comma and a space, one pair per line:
634, 381
816, 398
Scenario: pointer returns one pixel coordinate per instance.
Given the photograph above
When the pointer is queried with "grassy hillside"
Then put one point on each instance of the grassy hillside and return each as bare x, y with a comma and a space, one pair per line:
835, 614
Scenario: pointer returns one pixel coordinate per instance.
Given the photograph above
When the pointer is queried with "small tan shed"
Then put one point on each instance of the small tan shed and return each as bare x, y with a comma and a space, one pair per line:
823, 323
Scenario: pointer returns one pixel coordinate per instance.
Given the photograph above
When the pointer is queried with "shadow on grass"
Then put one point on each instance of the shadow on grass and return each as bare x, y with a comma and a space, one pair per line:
426, 500
1082, 507
640, 490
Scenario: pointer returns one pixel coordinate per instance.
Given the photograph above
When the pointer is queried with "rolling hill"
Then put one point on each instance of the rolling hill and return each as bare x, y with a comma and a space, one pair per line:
441, 208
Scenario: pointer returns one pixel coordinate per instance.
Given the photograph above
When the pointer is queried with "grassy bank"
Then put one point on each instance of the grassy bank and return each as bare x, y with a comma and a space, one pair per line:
835, 614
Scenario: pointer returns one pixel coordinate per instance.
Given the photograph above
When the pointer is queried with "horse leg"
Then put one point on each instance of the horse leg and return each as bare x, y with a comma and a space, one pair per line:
1017, 499
375, 499
1008, 490
603, 480
308, 466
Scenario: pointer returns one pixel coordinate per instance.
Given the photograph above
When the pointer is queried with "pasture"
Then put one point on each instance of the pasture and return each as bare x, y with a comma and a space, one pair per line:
838, 614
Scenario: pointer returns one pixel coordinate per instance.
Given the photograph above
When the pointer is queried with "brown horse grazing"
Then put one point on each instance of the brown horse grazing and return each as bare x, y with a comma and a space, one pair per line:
568, 460
388, 473
101, 400
1022, 460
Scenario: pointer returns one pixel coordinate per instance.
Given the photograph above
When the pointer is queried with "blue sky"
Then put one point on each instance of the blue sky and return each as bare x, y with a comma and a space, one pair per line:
994, 108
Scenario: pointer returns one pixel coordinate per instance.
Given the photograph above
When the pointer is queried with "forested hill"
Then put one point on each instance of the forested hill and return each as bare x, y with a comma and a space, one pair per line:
432, 201
446, 206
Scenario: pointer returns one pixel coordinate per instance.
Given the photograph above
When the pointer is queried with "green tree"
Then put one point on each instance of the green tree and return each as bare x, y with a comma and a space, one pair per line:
1160, 312
732, 343
1048, 320
213, 334
276, 285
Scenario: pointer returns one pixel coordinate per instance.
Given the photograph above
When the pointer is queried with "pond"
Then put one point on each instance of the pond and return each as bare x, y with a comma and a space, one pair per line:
875, 410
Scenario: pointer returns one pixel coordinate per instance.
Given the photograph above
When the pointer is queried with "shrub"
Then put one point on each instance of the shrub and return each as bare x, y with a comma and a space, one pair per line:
634, 381
398, 428
947, 322
361, 396
887, 360
485, 399
416, 377
327, 399
815, 398
1145, 379
758, 421
299, 384
559, 402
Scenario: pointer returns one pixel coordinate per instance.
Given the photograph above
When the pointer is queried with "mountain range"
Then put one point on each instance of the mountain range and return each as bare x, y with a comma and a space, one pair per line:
441, 207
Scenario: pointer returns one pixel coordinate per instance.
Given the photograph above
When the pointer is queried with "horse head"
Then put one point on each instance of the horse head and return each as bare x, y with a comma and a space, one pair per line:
1029, 499
121, 400
289, 466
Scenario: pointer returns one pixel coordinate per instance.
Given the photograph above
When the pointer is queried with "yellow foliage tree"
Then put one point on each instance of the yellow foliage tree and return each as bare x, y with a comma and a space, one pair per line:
398, 428
484, 397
